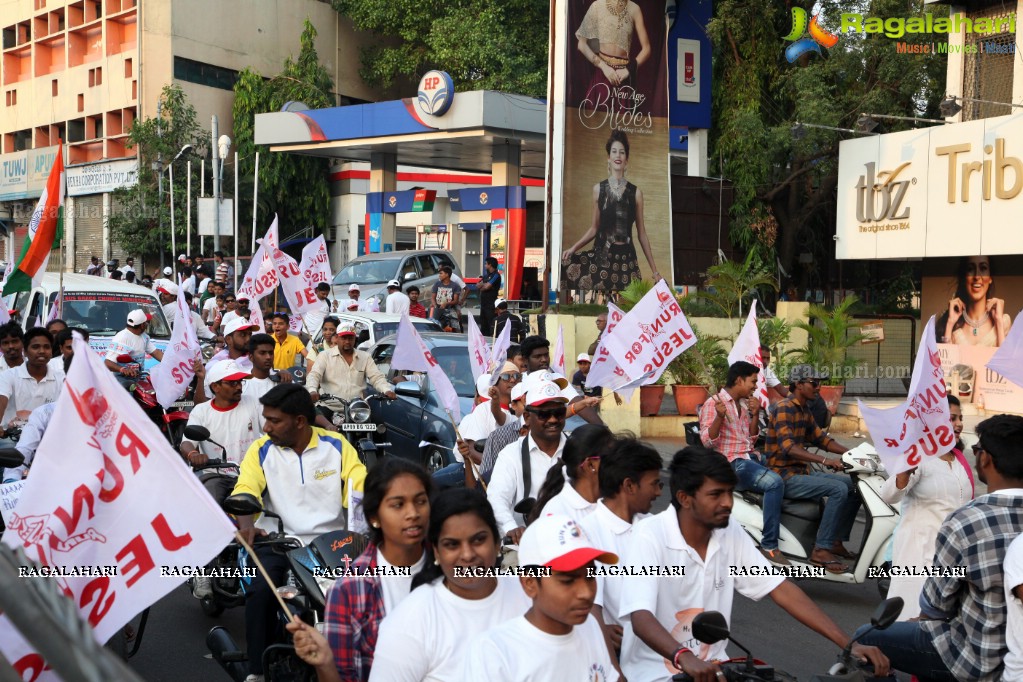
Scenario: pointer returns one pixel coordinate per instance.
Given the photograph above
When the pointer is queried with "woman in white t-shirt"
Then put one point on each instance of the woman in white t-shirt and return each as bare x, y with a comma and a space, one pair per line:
329, 329
426, 639
580, 461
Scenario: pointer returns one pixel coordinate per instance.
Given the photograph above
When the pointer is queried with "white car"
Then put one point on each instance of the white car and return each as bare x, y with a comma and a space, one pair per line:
371, 327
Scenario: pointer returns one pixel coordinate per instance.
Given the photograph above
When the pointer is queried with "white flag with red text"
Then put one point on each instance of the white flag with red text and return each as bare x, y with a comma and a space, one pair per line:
479, 351
499, 354
301, 295
558, 359
411, 352
747, 347
261, 278
920, 426
604, 370
172, 375
123, 509
650, 335
315, 262
1008, 359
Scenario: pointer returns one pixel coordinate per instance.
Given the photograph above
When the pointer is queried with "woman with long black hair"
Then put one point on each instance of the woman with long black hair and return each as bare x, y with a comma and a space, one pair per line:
579, 469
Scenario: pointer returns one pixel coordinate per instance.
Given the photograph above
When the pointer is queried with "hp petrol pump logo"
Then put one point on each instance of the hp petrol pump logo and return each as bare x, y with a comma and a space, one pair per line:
436, 92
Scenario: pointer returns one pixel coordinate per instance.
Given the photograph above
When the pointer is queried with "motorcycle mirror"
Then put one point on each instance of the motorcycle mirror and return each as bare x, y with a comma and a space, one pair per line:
197, 433
525, 506
10, 457
124, 358
242, 504
887, 612
710, 627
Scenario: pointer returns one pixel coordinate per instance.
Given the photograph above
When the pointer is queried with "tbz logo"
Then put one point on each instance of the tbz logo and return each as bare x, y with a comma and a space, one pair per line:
880, 197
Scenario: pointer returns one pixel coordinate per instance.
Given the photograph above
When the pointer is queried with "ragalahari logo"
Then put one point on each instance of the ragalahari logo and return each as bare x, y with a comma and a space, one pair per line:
802, 43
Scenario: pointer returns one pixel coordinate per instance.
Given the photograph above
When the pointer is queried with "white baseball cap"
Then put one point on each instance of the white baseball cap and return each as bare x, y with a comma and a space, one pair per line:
168, 287
392, 283
546, 392
167, 271
500, 302
520, 389
226, 370
353, 305
545, 375
138, 316
354, 287
182, 257
238, 324
583, 357
346, 330
483, 386
559, 543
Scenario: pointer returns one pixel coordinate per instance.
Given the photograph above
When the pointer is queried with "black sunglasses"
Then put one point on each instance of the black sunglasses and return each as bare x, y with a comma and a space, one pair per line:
544, 415
813, 382
977, 449
510, 376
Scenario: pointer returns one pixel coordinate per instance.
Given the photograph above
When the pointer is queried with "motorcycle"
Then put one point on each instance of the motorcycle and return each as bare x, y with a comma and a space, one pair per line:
9, 459
311, 571
801, 518
848, 670
710, 627
352, 418
170, 422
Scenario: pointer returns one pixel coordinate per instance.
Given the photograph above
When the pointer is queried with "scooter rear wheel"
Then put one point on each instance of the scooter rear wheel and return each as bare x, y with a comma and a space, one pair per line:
210, 607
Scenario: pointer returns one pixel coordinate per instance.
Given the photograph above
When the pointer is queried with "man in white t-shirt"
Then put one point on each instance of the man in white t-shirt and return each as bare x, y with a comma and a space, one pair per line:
167, 291
775, 388
31, 384
261, 354
557, 640
695, 544
1013, 568
132, 341
313, 319
537, 351
241, 311
397, 302
543, 445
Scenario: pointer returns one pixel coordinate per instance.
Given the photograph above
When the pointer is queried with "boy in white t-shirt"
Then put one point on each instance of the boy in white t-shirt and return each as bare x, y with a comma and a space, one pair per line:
697, 535
1013, 568
557, 639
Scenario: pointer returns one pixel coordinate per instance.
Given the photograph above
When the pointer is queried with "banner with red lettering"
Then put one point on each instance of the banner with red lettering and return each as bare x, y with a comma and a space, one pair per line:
315, 262
301, 295
747, 347
650, 335
479, 351
919, 427
119, 509
172, 375
499, 354
604, 371
261, 278
558, 358
410, 352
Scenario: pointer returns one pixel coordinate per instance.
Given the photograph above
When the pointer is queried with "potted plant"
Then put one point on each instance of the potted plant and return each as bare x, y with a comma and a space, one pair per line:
831, 332
700, 369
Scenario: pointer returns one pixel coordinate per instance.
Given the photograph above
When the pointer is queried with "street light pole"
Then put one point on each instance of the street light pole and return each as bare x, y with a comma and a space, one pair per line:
158, 166
215, 130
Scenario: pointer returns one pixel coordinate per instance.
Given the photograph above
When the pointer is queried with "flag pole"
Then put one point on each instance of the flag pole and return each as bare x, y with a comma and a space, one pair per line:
468, 458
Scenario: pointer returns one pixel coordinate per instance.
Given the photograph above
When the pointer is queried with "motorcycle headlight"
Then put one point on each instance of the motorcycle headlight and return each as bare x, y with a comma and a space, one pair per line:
358, 411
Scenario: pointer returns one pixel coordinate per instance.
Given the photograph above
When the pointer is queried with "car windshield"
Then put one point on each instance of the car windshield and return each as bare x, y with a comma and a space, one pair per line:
105, 314
382, 329
368, 272
455, 362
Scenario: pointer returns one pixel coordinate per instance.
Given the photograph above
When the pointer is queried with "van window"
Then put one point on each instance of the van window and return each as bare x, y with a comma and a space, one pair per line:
409, 267
105, 313
442, 259
426, 266
21, 301
35, 312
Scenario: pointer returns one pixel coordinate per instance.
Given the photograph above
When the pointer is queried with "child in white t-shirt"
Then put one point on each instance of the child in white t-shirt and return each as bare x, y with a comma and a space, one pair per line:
557, 639
1014, 616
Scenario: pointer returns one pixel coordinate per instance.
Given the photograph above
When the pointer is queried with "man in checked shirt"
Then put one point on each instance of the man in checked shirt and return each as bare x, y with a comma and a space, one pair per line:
729, 424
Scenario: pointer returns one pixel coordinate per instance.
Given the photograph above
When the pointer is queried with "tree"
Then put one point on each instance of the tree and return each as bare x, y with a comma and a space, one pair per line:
294, 187
483, 44
784, 187
139, 211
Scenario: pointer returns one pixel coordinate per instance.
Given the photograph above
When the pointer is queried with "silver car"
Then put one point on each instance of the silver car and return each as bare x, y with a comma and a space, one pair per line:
373, 271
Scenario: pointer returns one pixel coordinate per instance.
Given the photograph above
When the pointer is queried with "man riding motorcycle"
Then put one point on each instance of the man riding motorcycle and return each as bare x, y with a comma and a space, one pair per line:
343, 371
133, 341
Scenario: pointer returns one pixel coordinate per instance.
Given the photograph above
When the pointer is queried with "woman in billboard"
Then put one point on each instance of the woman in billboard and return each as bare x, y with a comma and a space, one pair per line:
974, 316
609, 25
617, 203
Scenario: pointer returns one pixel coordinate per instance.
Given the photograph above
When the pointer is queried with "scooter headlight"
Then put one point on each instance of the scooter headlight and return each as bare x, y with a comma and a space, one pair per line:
358, 411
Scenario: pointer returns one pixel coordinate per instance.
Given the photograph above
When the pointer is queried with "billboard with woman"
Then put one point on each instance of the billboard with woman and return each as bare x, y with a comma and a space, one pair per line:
616, 215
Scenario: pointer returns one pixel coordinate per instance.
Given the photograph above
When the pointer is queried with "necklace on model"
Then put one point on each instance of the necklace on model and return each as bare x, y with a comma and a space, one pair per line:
616, 186
617, 8
975, 324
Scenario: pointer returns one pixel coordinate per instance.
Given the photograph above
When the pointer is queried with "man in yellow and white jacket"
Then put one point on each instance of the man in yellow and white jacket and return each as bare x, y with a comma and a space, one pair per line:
308, 475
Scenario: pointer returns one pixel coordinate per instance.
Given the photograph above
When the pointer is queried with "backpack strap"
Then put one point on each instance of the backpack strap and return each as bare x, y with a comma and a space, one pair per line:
527, 473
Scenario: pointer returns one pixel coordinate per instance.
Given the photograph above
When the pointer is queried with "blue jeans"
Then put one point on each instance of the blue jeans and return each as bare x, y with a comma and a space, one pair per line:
910, 650
451, 476
757, 478
840, 509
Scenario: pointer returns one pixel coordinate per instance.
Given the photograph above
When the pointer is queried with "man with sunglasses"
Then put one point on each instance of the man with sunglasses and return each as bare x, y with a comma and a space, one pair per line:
540, 448
790, 430
537, 351
962, 631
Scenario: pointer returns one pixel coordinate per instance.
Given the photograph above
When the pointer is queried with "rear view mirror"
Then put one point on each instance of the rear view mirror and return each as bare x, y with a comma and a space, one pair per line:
410, 389
710, 627
197, 433
124, 358
10, 458
242, 504
409, 276
887, 612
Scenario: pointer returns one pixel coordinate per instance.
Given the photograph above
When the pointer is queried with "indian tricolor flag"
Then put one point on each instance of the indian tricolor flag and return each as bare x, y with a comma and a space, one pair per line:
44, 232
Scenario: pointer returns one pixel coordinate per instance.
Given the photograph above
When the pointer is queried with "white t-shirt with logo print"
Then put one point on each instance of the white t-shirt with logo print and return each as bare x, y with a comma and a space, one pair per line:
434, 650
235, 428
518, 651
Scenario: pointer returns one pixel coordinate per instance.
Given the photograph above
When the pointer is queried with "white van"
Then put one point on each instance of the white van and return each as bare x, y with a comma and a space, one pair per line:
98, 304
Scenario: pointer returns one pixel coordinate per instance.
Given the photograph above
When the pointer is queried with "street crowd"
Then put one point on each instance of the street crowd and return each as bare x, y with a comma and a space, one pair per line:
566, 502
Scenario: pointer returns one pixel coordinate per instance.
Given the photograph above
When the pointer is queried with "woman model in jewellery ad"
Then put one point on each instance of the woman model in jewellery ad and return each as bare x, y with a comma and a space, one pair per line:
616, 208
975, 316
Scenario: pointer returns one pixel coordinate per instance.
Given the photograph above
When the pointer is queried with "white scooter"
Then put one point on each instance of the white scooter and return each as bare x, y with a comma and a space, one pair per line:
800, 520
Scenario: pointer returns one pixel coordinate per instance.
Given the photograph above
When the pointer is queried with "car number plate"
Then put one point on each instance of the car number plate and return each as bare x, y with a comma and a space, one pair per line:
358, 427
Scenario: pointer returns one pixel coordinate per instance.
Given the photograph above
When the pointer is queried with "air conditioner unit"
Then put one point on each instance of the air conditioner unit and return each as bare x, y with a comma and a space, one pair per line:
330, 233
22, 212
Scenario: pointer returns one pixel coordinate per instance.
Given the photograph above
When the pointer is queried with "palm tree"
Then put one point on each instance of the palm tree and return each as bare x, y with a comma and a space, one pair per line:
830, 334
731, 284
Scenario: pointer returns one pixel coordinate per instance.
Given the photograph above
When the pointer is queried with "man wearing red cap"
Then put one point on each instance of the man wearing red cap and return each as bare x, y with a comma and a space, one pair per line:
343, 371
